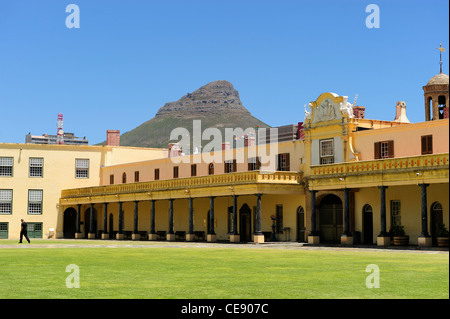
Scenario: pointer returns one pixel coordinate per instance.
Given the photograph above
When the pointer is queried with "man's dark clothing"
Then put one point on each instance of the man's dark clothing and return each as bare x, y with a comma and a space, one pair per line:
24, 232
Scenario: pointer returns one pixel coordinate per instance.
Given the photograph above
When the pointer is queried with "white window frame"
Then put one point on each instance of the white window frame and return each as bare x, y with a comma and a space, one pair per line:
36, 167
35, 199
6, 166
326, 152
6, 200
82, 168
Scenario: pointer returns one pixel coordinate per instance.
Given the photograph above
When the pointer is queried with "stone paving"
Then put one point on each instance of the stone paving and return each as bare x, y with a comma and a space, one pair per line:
79, 243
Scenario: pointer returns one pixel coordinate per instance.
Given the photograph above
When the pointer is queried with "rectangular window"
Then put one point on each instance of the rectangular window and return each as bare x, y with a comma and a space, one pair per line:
283, 162
254, 163
279, 218
6, 166
6, 201
194, 170
327, 151
156, 174
111, 179
384, 149
427, 144
211, 169
35, 201
395, 213
230, 166
175, 172
82, 168
136, 176
36, 167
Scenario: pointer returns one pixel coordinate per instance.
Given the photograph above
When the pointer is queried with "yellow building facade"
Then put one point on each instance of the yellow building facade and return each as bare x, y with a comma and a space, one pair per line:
33, 175
346, 179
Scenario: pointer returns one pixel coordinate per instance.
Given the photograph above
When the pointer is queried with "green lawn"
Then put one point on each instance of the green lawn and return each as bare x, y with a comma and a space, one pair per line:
238, 272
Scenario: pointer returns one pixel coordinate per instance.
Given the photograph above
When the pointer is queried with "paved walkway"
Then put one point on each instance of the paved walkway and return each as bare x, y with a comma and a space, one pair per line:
80, 243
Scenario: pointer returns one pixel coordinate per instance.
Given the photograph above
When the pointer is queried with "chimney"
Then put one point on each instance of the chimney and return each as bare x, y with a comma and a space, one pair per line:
300, 133
225, 146
400, 113
249, 141
359, 112
174, 150
113, 137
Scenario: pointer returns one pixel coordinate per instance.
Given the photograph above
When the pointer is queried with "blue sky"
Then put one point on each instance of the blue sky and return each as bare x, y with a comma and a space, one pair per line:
130, 57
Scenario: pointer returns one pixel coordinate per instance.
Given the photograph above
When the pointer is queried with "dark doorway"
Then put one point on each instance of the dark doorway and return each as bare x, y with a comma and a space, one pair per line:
436, 219
301, 224
111, 226
69, 223
245, 223
87, 222
367, 225
331, 218
208, 223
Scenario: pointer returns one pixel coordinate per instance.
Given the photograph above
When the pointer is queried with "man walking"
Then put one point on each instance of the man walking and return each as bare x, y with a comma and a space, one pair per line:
23, 231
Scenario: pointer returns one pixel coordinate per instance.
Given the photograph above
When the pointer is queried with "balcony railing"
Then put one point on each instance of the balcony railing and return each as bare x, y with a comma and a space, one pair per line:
423, 162
229, 179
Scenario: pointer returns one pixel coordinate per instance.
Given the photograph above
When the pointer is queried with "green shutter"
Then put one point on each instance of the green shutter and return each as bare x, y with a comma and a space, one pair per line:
34, 230
3, 230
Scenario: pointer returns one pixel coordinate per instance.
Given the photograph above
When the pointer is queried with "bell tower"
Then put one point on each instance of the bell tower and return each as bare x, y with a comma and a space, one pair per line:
437, 95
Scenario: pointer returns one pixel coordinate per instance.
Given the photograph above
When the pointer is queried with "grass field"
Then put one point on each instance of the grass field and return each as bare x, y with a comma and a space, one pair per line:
240, 272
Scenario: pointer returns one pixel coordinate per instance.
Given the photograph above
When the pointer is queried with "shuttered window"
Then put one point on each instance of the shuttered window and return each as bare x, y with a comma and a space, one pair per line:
283, 162
427, 144
384, 149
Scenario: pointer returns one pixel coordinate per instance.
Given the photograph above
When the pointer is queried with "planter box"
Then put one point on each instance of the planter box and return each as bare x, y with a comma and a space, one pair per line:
401, 240
442, 241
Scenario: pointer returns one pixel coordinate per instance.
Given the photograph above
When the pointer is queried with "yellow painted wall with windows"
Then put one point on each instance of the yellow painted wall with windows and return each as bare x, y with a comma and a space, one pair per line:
58, 174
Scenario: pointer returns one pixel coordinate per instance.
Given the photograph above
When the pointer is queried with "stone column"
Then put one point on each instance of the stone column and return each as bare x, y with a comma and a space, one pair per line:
383, 238
91, 234
152, 235
211, 237
313, 237
78, 234
190, 235
258, 236
105, 234
136, 235
346, 238
171, 234
234, 236
119, 234
424, 239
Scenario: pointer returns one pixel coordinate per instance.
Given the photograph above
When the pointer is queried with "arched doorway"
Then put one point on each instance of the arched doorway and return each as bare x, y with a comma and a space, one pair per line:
367, 224
245, 223
436, 218
301, 224
87, 222
69, 223
331, 218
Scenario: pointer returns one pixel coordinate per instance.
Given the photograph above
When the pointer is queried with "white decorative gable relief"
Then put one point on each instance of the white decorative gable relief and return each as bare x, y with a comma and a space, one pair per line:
328, 107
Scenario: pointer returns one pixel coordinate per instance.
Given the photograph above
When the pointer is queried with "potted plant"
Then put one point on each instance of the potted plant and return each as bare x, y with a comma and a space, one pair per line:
399, 236
442, 235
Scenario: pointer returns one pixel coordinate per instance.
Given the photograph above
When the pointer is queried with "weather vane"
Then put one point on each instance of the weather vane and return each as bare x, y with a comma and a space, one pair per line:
441, 49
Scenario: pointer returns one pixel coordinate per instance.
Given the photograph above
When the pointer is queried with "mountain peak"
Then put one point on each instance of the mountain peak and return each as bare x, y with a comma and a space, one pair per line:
215, 97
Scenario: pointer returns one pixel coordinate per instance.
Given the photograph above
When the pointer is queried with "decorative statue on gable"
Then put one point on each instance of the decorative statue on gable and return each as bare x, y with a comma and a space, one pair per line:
346, 107
308, 112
